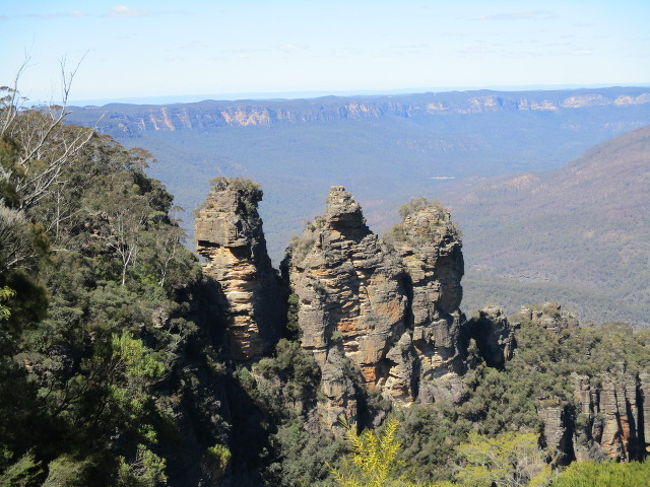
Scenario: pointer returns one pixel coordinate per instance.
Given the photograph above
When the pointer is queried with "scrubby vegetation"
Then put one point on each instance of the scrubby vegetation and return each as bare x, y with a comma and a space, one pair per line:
96, 293
507, 460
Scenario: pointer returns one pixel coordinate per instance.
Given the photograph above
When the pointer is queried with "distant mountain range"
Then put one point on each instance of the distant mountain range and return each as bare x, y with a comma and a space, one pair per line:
579, 234
133, 120
385, 149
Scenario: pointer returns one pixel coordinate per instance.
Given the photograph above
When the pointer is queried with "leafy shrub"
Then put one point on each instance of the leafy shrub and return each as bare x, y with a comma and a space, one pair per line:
605, 474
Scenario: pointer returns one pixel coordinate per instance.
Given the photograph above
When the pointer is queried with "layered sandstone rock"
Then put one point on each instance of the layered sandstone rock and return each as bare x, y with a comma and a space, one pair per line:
494, 335
613, 416
389, 308
352, 298
228, 231
429, 245
556, 432
606, 417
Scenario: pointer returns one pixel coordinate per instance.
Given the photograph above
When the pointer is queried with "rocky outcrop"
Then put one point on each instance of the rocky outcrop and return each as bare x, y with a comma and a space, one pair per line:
606, 418
549, 315
352, 298
389, 307
429, 246
494, 335
228, 231
557, 434
612, 416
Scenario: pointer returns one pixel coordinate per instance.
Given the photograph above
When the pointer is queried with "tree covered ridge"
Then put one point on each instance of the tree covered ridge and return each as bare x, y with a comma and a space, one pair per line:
98, 310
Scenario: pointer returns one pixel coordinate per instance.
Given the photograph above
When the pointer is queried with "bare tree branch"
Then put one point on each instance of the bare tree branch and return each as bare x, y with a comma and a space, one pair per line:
46, 145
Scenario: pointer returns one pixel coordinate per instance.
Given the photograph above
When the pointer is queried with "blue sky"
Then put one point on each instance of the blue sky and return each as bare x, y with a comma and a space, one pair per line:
153, 49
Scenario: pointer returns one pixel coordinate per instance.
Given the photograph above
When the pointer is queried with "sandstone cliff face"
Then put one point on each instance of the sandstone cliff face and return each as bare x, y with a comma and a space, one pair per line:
614, 424
228, 231
209, 114
606, 417
388, 308
429, 246
494, 335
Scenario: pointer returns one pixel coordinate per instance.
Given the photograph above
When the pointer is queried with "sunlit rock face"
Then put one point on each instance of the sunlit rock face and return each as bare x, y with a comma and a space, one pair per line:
614, 411
607, 416
228, 231
384, 310
429, 246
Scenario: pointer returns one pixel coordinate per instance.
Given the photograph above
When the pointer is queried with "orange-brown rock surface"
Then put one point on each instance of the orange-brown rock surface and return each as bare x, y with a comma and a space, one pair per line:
614, 410
388, 307
352, 299
228, 231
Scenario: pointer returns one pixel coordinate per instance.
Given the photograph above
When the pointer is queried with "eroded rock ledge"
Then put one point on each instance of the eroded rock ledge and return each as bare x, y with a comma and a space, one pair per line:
607, 415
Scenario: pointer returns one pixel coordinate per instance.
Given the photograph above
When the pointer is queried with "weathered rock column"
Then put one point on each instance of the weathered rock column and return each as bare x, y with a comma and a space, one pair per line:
352, 299
383, 309
228, 232
430, 247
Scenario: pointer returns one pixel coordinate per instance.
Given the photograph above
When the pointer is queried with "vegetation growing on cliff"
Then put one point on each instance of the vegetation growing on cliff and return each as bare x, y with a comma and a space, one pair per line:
96, 308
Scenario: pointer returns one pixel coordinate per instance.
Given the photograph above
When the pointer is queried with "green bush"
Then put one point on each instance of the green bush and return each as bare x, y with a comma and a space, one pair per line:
605, 474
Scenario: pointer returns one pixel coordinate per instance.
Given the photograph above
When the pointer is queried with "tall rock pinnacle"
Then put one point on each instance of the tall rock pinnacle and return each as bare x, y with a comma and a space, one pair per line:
228, 231
388, 308
429, 245
350, 289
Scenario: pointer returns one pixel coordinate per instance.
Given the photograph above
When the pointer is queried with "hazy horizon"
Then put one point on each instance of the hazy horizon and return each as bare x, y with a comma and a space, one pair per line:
295, 95
148, 50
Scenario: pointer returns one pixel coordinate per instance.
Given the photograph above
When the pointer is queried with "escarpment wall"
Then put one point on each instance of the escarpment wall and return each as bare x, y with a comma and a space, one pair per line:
615, 411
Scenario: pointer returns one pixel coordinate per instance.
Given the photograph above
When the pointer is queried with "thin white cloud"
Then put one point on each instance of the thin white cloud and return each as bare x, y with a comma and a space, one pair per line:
529, 15
124, 11
117, 11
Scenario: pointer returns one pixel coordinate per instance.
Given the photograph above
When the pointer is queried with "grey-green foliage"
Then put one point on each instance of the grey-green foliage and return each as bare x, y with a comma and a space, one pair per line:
24, 472
285, 388
88, 337
250, 193
146, 470
15, 239
540, 373
67, 471
440, 224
